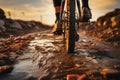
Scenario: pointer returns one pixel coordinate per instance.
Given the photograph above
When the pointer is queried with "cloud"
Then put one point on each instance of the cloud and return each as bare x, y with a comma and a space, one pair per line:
35, 8
25, 5
103, 4
100, 7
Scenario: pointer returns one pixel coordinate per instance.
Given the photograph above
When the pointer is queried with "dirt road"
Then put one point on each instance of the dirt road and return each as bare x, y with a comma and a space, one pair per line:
46, 59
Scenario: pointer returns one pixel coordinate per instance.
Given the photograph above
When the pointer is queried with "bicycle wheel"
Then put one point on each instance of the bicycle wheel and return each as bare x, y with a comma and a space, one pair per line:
70, 31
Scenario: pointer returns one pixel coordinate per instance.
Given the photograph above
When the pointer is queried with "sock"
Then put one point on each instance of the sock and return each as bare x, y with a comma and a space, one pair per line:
57, 16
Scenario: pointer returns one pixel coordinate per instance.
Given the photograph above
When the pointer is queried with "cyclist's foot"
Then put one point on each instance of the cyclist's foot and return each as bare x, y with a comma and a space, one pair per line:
57, 28
87, 15
76, 36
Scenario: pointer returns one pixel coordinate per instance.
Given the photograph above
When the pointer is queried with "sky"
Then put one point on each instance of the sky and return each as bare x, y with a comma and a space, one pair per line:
42, 10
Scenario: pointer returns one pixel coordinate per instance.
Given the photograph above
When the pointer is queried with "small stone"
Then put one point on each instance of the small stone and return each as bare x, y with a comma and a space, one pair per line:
110, 73
116, 66
16, 25
2, 62
72, 77
77, 65
115, 44
94, 57
5, 69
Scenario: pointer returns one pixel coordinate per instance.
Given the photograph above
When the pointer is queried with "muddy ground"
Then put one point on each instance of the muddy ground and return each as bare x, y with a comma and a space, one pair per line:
89, 56
45, 58
29, 51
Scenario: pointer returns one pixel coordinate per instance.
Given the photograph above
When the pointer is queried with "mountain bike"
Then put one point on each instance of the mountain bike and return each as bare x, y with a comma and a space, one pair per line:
70, 17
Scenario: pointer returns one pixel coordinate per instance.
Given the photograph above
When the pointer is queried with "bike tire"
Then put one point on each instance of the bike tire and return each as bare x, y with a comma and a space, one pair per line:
70, 32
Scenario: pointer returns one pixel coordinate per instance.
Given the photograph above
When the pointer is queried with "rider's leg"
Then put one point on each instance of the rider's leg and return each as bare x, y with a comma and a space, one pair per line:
85, 3
86, 10
57, 28
57, 6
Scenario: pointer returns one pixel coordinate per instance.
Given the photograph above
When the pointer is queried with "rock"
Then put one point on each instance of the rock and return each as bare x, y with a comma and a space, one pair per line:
5, 69
5, 59
2, 27
2, 14
0, 31
117, 10
100, 21
29, 25
108, 27
2, 23
36, 27
3, 56
24, 24
109, 19
2, 62
16, 25
12, 56
110, 74
115, 21
72, 77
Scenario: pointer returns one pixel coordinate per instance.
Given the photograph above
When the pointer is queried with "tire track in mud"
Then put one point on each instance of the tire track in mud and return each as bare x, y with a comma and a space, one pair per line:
54, 63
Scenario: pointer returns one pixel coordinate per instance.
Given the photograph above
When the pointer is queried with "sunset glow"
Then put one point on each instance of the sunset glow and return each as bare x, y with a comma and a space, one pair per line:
42, 10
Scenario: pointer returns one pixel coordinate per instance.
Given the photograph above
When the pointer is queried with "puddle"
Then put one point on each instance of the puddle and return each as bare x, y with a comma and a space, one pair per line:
23, 70
26, 68
83, 52
42, 42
